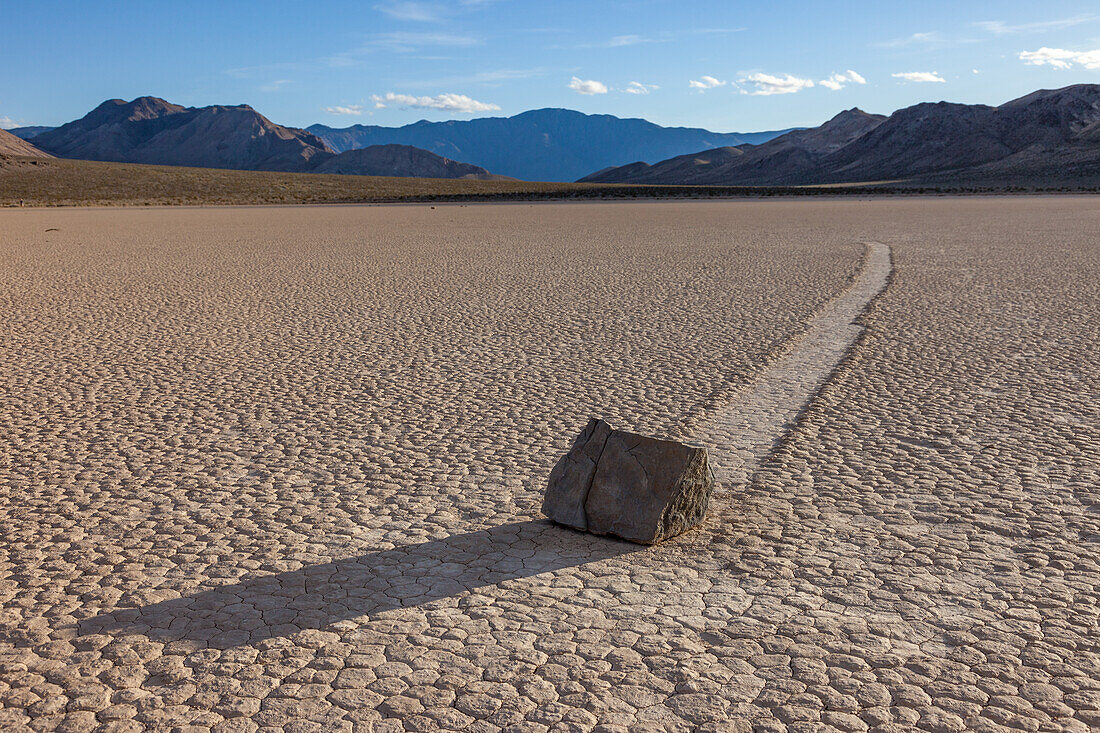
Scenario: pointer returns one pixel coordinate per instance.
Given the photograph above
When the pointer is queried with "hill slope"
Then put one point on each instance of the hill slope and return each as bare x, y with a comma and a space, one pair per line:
17, 147
1045, 138
544, 144
151, 130
403, 161
787, 157
934, 139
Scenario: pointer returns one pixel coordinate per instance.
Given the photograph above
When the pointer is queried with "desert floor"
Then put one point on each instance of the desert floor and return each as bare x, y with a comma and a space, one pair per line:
281, 468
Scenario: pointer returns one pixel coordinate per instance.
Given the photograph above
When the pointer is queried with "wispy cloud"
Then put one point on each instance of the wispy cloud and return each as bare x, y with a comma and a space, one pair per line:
706, 82
633, 39
915, 39
415, 11
768, 84
7, 123
276, 85
920, 77
351, 109
837, 82
636, 87
628, 40
487, 78
268, 70
422, 11
587, 87
1060, 58
1001, 28
407, 42
457, 103
395, 42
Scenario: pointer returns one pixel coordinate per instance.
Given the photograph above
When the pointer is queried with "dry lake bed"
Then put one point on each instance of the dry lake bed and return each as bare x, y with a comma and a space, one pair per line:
281, 468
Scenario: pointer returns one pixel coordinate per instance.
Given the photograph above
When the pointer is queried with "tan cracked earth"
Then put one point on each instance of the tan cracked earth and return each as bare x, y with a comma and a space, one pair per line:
280, 469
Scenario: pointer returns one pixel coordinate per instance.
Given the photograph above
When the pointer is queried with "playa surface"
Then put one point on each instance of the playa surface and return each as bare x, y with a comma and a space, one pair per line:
280, 468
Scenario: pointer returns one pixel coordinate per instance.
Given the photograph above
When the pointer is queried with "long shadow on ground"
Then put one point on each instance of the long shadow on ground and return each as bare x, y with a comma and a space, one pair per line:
313, 597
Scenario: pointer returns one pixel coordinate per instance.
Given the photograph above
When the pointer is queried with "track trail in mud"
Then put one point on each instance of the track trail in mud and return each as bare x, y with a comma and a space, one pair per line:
742, 433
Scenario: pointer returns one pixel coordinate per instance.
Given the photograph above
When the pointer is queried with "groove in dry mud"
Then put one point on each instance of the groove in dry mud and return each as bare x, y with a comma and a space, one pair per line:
742, 433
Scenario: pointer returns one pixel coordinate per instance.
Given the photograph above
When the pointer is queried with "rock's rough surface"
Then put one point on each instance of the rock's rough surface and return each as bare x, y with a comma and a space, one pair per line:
572, 476
632, 486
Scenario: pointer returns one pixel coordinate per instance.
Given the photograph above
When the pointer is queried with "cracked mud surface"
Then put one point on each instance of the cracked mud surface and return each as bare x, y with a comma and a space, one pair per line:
281, 468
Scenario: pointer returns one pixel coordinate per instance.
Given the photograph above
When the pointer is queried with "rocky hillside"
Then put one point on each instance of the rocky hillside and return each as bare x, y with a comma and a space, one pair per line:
28, 132
543, 144
785, 158
401, 160
12, 146
1049, 137
151, 130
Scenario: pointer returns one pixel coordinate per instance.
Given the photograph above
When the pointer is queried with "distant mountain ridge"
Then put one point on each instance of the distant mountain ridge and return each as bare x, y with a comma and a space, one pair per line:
779, 160
152, 130
401, 160
542, 144
1048, 137
28, 132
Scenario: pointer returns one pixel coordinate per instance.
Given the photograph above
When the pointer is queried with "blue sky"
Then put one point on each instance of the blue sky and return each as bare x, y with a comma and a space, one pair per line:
726, 66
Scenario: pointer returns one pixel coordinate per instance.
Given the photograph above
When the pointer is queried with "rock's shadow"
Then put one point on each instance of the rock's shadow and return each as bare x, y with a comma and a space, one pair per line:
315, 596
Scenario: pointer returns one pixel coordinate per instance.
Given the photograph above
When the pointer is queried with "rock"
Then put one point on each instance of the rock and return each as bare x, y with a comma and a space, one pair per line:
632, 486
572, 476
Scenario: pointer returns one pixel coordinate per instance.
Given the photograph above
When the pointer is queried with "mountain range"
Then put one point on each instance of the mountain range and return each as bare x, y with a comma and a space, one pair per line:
549, 144
27, 133
152, 130
1049, 137
399, 160
542, 144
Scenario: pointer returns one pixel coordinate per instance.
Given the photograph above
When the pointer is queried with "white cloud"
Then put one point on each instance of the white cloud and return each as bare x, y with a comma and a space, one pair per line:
839, 81
398, 42
631, 40
919, 76
853, 76
706, 82
636, 87
418, 11
274, 86
916, 39
1060, 58
7, 123
424, 11
351, 109
768, 84
445, 102
587, 86
1000, 28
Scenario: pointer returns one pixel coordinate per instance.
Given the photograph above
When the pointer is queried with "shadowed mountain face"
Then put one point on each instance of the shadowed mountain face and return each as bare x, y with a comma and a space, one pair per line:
15, 146
28, 132
151, 130
1050, 136
785, 158
541, 145
401, 160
